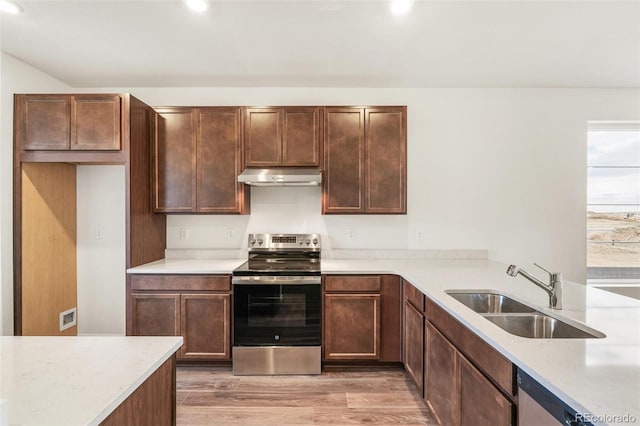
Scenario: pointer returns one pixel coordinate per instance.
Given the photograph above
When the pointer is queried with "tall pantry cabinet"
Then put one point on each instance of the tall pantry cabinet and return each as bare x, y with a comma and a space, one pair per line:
53, 133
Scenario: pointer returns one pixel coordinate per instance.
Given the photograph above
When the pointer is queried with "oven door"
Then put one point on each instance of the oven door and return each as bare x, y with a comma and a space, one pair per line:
277, 314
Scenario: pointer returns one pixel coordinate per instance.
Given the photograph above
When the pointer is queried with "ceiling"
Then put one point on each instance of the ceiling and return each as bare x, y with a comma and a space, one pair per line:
324, 43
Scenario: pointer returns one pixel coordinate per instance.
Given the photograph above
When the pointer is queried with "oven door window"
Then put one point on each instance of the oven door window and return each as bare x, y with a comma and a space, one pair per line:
268, 315
276, 310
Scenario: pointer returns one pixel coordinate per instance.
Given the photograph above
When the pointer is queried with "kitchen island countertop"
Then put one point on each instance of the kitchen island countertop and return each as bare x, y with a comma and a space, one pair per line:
74, 380
600, 377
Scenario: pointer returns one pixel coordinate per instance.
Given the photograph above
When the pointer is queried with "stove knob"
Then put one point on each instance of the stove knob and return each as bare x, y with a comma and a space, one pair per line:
307, 242
253, 242
260, 242
314, 241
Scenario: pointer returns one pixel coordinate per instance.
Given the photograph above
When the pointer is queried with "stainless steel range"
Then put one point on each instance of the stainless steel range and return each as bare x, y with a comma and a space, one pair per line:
277, 296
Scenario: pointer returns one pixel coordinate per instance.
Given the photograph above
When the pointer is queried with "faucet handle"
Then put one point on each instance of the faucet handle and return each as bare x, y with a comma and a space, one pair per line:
548, 272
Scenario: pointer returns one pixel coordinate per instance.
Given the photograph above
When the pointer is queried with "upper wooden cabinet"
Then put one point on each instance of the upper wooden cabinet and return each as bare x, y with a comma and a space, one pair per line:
70, 122
365, 158
174, 155
197, 160
282, 136
219, 161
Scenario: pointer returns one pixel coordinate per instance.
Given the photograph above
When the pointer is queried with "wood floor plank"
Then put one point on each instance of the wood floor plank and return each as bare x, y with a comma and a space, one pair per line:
195, 416
403, 384
378, 416
317, 385
266, 399
381, 400
206, 384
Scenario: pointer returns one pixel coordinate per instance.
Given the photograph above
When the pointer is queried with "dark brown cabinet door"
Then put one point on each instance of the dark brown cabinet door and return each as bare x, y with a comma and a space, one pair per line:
301, 136
156, 314
71, 122
391, 319
441, 377
219, 161
262, 137
481, 404
365, 160
46, 122
175, 160
343, 184
413, 343
95, 122
385, 160
351, 327
205, 320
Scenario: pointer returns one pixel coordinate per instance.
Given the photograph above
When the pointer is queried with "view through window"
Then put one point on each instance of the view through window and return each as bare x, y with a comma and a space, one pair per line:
613, 202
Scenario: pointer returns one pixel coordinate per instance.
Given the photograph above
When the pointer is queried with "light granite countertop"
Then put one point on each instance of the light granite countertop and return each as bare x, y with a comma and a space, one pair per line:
76, 380
596, 376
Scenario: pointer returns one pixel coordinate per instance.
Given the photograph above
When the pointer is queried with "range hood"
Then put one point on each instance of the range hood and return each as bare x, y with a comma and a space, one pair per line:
281, 177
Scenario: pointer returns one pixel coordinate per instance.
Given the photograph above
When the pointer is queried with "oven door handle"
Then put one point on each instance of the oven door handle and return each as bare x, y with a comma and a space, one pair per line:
275, 280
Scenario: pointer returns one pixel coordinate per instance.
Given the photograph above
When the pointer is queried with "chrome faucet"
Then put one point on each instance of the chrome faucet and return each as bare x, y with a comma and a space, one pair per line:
553, 289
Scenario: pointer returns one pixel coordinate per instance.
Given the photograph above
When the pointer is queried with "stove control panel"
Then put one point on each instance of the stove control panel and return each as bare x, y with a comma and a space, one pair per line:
271, 242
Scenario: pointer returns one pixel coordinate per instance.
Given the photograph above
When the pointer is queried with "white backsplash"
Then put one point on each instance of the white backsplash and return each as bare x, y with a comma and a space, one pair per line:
335, 254
287, 210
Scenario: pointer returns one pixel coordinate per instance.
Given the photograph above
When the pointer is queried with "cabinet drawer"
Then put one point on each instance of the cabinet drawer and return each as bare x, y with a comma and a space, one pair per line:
346, 283
413, 295
181, 282
491, 362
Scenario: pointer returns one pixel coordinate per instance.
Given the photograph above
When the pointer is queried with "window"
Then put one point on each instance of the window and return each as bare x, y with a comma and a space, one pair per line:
613, 201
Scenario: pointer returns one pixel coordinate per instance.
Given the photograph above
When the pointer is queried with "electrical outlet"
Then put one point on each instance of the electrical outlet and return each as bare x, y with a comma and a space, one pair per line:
184, 233
230, 233
351, 234
420, 235
99, 234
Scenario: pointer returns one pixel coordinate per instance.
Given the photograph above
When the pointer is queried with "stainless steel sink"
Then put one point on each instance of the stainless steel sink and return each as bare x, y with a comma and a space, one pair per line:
489, 303
520, 319
541, 326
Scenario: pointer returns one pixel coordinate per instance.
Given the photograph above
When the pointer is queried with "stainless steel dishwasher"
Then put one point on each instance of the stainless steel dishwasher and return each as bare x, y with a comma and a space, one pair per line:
538, 406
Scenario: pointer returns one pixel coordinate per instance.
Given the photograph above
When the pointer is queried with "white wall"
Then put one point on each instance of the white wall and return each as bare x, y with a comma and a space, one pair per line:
101, 249
15, 77
499, 169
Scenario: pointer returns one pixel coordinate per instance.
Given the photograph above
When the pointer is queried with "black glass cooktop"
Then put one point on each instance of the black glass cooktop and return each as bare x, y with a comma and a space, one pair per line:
279, 265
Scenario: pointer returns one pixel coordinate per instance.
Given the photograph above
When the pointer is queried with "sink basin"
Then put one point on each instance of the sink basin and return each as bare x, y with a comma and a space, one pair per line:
489, 303
521, 319
540, 326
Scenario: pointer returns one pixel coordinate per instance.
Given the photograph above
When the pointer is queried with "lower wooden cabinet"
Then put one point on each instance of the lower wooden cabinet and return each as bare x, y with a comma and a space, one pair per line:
481, 404
205, 320
156, 314
413, 348
198, 308
440, 380
456, 391
362, 318
352, 326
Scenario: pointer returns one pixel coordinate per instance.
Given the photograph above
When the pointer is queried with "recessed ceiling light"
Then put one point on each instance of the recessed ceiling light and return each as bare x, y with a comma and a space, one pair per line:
9, 7
400, 7
196, 5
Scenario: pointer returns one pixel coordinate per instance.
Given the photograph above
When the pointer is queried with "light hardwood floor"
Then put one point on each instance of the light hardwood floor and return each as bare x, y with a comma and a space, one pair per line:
214, 396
